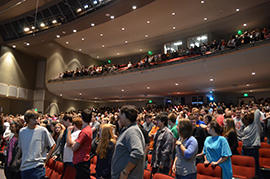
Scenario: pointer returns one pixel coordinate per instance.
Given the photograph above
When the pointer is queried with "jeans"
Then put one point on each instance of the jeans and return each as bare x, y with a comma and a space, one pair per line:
34, 173
83, 170
255, 154
189, 176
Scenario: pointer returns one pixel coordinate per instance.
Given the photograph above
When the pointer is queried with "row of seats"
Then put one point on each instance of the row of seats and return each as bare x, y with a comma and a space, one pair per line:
57, 170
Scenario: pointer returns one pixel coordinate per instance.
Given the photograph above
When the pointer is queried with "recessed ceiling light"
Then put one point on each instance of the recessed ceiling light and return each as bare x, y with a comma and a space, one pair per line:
95, 2
205, 19
123, 90
80, 49
42, 25
116, 100
173, 13
58, 36
173, 28
74, 30
123, 28
75, 99
79, 10
237, 9
14, 46
251, 91
86, 6
80, 94
176, 84
118, 53
244, 24
146, 36
103, 46
101, 35
61, 94
26, 29
33, 27
95, 97
148, 87
107, 15
202, 2
140, 49
126, 41
27, 44
213, 89
97, 56
148, 22
112, 17
178, 92
82, 38
92, 24
66, 42
54, 21
134, 7
253, 73
63, 32
211, 79
247, 84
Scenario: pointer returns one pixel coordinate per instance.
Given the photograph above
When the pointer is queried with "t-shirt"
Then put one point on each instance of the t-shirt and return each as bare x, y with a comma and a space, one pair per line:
34, 143
175, 132
220, 120
68, 152
214, 149
239, 126
85, 141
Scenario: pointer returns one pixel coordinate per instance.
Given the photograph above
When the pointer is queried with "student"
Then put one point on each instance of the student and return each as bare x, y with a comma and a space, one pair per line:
33, 143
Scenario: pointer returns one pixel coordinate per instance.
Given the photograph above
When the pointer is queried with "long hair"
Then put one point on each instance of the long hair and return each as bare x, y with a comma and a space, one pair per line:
230, 127
60, 134
105, 138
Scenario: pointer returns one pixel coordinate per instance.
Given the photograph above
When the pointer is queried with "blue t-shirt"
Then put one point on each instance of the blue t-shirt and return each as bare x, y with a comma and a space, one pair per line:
215, 148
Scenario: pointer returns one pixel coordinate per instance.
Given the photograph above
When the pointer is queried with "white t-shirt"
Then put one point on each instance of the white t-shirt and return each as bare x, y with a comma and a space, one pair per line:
34, 143
68, 153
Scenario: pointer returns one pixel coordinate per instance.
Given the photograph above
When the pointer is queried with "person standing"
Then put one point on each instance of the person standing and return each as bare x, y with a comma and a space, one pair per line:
82, 146
128, 158
163, 146
33, 143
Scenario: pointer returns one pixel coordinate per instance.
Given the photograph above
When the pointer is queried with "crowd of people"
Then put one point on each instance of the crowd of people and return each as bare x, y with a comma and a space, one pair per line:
150, 60
122, 138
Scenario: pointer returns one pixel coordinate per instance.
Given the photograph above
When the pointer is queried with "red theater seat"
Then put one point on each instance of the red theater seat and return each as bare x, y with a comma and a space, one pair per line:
208, 172
243, 166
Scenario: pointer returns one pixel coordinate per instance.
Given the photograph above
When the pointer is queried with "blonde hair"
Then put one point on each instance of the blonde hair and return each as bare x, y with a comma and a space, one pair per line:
230, 126
105, 138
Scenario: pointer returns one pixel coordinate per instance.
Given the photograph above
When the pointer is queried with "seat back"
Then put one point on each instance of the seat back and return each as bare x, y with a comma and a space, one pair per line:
243, 166
208, 172
162, 176
147, 174
265, 145
49, 167
264, 158
70, 173
58, 170
239, 149
149, 158
240, 143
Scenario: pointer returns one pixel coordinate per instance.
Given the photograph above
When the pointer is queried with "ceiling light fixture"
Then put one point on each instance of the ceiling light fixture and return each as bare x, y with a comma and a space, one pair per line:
134, 7
202, 2
211, 92
118, 53
80, 94
86, 6
95, 2
33, 27
97, 56
101, 35
123, 28
42, 25
251, 91
247, 84
173, 13
92, 24
213, 89
80, 49
112, 17
176, 84
58, 36
245, 25
211, 79
27, 44
61, 94
205, 19
146, 36
148, 87
148, 22
140, 50
82, 38
173, 28
63, 32
253, 73
126, 41
123, 90
66, 42
237, 9
54, 21
74, 30
103, 46
14, 46
79, 10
